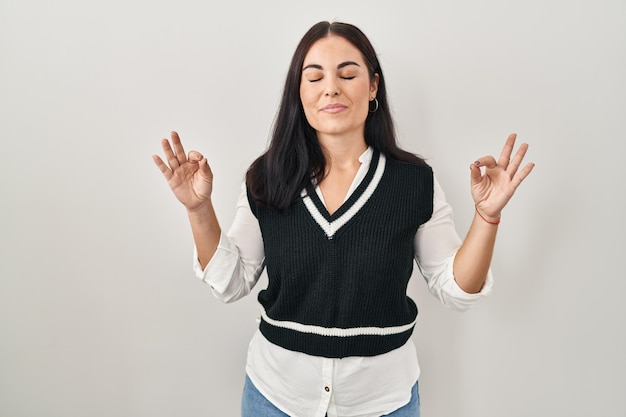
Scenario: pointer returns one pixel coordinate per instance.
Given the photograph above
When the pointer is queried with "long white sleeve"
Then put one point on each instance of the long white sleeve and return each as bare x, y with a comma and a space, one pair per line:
238, 262
436, 244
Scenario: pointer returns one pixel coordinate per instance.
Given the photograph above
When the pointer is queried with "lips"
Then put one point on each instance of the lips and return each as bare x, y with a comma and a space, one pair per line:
334, 108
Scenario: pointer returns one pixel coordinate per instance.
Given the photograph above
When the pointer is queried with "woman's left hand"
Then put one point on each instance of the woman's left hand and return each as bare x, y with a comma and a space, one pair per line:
493, 189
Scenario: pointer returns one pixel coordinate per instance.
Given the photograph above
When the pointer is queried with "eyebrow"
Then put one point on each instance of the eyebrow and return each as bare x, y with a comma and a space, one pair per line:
340, 66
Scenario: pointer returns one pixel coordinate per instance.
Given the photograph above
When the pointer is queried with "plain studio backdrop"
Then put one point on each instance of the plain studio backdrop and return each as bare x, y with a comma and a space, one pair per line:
100, 313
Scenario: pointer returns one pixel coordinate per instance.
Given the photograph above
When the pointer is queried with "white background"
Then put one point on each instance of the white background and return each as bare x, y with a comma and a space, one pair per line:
100, 314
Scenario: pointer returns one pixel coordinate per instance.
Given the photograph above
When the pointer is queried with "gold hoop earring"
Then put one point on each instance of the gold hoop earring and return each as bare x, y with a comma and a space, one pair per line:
376, 105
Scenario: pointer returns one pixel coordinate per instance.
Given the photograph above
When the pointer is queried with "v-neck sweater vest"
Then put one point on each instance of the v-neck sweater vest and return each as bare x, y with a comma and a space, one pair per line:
337, 283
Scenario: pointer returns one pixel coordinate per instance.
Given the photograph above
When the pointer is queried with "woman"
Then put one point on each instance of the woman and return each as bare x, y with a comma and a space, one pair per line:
336, 212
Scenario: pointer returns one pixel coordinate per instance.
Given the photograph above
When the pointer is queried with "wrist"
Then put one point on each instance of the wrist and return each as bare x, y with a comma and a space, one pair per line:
488, 219
200, 210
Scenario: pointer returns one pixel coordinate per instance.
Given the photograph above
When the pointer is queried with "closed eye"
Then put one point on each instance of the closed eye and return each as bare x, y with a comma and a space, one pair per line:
314, 80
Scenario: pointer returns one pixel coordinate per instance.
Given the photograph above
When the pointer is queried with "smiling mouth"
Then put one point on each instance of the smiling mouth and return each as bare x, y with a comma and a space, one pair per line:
333, 108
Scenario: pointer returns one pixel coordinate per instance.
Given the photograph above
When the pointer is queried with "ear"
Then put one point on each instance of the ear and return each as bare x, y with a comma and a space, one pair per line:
374, 86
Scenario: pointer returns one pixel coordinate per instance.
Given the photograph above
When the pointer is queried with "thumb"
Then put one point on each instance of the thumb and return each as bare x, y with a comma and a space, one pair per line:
205, 169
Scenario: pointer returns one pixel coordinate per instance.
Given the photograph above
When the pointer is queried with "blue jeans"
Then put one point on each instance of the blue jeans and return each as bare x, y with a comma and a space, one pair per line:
254, 404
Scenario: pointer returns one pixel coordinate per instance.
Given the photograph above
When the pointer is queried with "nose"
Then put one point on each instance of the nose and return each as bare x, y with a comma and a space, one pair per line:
332, 89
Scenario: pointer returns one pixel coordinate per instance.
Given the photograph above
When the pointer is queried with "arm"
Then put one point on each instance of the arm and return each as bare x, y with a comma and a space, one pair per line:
436, 246
231, 264
191, 181
491, 191
206, 232
237, 264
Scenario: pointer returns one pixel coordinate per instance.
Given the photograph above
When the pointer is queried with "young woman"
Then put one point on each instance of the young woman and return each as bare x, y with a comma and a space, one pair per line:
337, 213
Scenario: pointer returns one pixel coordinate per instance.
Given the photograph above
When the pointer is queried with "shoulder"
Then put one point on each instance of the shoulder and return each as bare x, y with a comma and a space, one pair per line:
409, 171
251, 202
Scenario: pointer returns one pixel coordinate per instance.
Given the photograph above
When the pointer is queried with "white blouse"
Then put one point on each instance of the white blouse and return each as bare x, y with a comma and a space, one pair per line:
303, 385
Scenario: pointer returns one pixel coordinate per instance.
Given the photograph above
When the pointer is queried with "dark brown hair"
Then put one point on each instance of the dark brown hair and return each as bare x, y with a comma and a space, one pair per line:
294, 156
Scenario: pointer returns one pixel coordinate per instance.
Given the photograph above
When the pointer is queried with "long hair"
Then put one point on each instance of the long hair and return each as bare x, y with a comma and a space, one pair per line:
294, 155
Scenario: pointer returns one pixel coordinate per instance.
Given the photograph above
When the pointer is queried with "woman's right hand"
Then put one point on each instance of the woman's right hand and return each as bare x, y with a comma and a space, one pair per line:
189, 177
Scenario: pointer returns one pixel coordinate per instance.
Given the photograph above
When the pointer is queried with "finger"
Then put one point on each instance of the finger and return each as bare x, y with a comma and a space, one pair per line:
167, 172
179, 151
517, 159
195, 156
517, 179
169, 154
507, 151
486, 161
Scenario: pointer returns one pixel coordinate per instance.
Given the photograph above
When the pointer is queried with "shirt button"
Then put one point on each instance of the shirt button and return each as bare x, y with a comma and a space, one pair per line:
327, 389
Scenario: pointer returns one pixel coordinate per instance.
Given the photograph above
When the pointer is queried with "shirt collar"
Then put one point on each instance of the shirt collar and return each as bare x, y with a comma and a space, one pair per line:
366, 157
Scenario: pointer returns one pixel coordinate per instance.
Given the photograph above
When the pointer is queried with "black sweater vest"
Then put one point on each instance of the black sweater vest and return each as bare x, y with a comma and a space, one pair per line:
337, 283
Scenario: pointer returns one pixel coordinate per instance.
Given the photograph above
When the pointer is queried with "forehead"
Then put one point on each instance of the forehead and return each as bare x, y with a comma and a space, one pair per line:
331, 51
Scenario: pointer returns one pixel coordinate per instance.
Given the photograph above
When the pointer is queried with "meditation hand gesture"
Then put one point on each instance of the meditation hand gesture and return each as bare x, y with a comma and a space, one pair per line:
189, 177
493, 189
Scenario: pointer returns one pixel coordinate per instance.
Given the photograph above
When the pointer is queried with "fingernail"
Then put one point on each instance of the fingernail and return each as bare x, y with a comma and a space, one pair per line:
477, 163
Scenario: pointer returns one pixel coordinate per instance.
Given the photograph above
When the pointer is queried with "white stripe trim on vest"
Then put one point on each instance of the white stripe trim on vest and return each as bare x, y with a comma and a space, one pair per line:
338, 331
330, 228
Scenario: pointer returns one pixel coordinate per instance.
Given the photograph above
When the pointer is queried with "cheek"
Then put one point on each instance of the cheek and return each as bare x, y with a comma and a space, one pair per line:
306, 96
362, 100
309, 102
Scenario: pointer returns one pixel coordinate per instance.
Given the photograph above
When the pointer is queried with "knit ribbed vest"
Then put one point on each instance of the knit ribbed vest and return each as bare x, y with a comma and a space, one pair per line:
337, 283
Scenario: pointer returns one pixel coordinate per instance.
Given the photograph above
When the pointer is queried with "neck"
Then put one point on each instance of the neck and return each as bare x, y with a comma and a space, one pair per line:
342, 152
